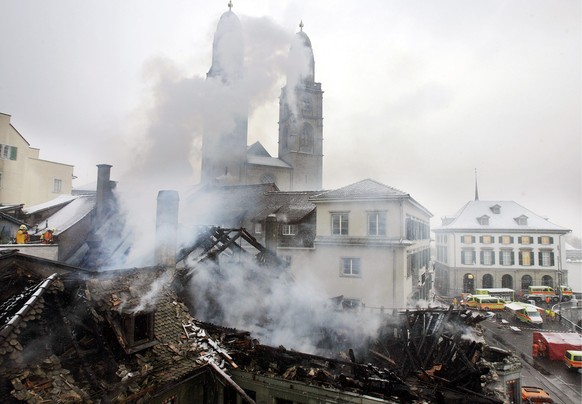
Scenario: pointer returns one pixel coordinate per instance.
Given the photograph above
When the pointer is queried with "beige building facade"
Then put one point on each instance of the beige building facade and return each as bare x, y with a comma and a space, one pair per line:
24, 177
498, 244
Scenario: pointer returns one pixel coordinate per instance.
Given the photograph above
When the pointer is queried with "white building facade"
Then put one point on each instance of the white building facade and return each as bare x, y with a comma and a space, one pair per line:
372, 246
498, 244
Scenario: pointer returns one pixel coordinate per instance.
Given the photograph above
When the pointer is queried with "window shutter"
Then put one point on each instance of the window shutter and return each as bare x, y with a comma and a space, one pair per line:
472, 239
492, 258
474, 257
531, 258
481, 257
462, 257
500, 256
512, 258
551, 259
551, 240
540, 258
13, 153
481, 239
539, 240
519, 239
520, 258
511, 239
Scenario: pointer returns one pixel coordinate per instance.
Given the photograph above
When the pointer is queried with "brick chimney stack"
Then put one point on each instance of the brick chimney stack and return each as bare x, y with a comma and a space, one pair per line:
166, 228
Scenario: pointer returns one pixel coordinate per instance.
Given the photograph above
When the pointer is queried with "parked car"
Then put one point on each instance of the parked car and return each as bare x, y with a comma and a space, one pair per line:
531, 394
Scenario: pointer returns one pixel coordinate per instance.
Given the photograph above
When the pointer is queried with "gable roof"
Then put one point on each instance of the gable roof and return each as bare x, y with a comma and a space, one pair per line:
69, 214
365, 189
257, 149
509, 211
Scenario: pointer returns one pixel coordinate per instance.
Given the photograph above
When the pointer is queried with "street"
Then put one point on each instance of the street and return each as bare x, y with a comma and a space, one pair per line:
564, 385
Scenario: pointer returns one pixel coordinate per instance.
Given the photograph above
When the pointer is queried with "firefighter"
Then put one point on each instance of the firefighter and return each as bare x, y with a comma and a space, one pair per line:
542, 348
47, 236
535, 350
22, 236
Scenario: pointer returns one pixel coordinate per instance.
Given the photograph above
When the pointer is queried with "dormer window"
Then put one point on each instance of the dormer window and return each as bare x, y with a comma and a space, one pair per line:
483, 220
522, 220
137, 331
496, 209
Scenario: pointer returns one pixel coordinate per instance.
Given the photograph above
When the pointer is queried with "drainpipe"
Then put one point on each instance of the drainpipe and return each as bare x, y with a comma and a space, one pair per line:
271, 234
166, 228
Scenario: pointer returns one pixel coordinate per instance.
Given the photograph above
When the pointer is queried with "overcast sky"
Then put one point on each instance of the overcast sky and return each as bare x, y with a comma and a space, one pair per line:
418, 94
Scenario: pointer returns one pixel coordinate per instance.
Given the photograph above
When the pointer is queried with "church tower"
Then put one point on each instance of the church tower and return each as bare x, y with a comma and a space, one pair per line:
224, 151
301, 117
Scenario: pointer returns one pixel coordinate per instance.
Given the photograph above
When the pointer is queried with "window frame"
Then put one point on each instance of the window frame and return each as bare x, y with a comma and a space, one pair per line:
355, 271
379, 221
289, 229
342, 228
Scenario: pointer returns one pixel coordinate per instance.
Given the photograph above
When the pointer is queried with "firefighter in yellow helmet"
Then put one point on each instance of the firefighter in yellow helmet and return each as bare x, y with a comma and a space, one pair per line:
22, 236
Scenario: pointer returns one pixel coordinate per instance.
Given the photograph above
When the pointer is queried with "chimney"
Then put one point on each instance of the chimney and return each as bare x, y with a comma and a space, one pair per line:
166, 228
271, 234
103, 190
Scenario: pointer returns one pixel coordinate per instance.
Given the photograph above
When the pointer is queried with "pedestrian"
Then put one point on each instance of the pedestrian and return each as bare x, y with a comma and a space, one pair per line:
22, 236
542, 348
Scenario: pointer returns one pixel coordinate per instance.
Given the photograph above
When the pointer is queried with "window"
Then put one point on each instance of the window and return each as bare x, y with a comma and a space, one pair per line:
524, 240
486, 239
258, 228
339, 223
526, 257
57, 185
487, 281
526, 281
522, 220
467, 239
496, 209
8, 152
350, 267
506, 239
506, 257
468, 257
377, 223
547, 281
483, 220
289, 229
545, 240
416, 229
487, 257
138, 330
507, 281
306, 139
546, 258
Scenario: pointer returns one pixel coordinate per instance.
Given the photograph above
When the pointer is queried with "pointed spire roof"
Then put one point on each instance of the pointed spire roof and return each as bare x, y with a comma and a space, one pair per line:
476, 188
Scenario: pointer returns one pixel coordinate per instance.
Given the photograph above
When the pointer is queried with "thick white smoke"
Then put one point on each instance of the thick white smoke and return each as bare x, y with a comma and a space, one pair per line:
163, 143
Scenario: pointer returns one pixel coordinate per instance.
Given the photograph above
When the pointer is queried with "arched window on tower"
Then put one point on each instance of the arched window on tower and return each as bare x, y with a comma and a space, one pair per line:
306, 139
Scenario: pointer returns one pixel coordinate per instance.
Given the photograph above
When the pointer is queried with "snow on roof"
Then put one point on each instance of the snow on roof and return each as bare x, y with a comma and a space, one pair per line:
59, 200
509, 211
367, 188
69, 214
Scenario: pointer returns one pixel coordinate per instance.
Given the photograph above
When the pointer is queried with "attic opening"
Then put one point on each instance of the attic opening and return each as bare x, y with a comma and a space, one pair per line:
137, 330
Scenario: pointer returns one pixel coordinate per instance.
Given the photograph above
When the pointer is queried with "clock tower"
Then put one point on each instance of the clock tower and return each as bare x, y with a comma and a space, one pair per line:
301, 117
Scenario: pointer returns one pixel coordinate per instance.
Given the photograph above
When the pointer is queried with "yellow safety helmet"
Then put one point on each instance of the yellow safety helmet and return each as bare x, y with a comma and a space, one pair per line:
22, 227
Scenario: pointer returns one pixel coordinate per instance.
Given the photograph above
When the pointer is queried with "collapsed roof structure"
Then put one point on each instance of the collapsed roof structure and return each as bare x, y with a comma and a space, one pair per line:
128, 336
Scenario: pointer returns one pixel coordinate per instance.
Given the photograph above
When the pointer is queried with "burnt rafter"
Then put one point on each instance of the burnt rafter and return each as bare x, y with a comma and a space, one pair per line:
216, 240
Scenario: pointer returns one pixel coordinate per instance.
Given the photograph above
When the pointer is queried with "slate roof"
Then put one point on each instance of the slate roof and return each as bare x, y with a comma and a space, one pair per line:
267, 161
509, 211
365, 189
